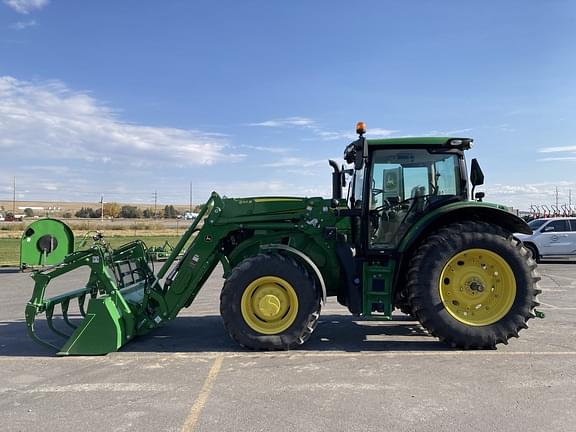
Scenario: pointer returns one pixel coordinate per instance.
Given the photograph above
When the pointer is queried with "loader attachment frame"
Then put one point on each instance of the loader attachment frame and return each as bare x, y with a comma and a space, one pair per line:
125, 298
109, 304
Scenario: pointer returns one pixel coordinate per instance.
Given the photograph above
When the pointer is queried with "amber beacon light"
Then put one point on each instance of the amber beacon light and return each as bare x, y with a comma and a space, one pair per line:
360, 128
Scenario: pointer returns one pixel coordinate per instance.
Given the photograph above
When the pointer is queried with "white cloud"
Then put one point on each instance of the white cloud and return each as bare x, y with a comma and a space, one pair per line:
521, 196
22, 25
319, 132
48, 120
564, 158
445, 133
570, 148
456, 131
379, 132
295, 162
286, 122
266, 149
335, 135
26, 6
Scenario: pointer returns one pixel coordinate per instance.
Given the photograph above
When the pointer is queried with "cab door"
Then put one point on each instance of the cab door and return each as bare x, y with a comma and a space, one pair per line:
555, 238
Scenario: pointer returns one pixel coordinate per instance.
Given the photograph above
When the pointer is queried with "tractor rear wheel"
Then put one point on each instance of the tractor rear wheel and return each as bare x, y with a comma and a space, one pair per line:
472, 285
270, 302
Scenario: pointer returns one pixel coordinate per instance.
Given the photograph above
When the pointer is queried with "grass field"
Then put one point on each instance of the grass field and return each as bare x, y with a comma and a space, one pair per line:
10, 247
111, 228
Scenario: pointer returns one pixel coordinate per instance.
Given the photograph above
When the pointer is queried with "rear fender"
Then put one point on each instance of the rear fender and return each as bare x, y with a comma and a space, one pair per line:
452, 213
460, 211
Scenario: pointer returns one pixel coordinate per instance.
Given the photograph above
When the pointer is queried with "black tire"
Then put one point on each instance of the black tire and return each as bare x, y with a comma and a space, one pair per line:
406, 309
423, 283
289, 270
402, 303
534, 251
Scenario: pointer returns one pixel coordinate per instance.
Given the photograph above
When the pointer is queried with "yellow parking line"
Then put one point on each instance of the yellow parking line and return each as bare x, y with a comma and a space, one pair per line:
196, 409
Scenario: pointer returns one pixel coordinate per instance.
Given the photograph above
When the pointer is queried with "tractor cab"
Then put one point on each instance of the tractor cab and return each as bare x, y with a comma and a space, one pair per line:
397, 181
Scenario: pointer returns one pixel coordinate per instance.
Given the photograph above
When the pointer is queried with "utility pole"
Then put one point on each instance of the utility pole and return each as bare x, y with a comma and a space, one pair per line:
569, 197
155, 204
14, 198
190, 209
102, 207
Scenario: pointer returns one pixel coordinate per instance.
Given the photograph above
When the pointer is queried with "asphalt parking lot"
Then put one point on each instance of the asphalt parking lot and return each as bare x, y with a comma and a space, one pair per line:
352, 375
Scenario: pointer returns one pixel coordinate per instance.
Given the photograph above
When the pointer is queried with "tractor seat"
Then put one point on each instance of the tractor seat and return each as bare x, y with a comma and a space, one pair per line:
418, 193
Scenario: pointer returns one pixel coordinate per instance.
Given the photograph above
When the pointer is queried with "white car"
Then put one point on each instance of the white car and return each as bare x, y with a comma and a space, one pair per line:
552, 238
190, 215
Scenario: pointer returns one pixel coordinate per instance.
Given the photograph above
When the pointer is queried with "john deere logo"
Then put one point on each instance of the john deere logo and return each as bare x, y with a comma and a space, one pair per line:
391, 181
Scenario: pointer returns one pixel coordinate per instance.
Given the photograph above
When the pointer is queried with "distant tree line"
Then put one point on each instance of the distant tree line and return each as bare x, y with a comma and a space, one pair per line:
114, 210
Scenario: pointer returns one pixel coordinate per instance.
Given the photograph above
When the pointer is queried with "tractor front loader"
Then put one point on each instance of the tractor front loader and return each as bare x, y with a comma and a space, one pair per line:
408, 237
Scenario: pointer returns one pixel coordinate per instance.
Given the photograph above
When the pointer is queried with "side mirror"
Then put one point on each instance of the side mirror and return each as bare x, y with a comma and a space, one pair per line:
479, 196
361, 153
359, 161
476, 174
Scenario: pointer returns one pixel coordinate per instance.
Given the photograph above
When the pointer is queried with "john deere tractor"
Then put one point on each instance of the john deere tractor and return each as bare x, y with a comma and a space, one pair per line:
406, 236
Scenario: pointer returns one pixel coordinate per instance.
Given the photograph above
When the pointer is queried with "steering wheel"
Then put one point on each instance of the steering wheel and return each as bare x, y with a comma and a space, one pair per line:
386, 205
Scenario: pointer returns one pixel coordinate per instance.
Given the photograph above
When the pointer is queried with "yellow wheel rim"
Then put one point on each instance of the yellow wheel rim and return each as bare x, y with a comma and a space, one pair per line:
477, 287
269, 305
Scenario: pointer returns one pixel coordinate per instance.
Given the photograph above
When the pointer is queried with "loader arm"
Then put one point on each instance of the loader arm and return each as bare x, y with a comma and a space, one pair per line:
184, 280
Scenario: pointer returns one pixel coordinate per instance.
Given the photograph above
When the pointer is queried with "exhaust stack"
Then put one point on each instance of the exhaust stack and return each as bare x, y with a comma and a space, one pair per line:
336, 181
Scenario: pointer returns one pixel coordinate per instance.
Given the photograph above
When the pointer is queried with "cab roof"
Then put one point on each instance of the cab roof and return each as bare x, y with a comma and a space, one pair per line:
411, 141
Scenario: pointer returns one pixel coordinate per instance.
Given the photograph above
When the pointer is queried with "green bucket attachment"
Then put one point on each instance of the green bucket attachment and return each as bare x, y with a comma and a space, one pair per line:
101, 332
119, 288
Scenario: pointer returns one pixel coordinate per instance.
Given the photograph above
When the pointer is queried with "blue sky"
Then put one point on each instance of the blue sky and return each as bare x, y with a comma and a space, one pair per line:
252, 97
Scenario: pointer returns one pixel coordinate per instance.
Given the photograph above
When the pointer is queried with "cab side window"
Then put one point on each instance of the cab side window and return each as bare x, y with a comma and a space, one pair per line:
557, 226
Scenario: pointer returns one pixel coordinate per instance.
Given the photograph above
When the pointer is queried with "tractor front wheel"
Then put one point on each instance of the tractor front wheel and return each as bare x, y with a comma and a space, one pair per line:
270, 302
472, 285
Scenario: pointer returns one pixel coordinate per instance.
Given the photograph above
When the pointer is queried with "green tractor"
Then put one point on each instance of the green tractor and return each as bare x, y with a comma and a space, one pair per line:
407, 236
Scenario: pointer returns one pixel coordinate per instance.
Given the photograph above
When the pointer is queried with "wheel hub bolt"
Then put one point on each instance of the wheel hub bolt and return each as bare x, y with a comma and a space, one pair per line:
476, 286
